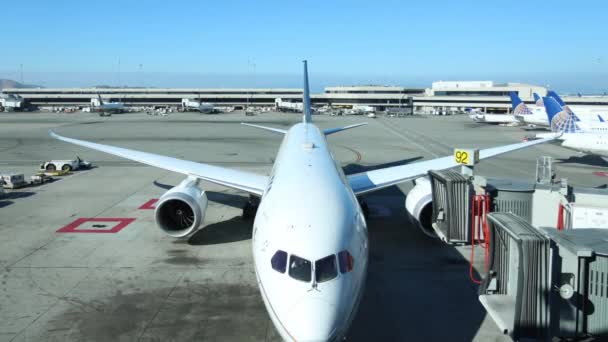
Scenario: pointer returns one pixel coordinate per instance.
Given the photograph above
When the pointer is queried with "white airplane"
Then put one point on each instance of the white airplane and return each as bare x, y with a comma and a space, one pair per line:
533, 116
494, 118
310, 242
574, 137
108, 107
197, 105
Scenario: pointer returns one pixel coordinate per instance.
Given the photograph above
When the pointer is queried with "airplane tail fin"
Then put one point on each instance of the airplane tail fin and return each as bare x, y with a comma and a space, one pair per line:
557, 98
100, 100
561, 102
538, 100
561, 119
601, 118
306, 108
518, 106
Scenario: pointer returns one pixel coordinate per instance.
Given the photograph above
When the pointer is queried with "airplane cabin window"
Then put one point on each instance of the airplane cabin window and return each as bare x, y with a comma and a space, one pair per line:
347, 263
325, 269
279, 261
299, 268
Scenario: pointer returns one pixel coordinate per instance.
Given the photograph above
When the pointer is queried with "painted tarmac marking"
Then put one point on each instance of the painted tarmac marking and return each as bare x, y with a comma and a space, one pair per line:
150, 205
121, 222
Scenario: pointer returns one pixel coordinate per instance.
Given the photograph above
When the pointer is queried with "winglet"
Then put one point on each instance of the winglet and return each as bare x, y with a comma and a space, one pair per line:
306, 100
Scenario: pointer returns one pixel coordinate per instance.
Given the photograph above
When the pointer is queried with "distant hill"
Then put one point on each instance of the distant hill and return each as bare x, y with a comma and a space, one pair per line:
14, 84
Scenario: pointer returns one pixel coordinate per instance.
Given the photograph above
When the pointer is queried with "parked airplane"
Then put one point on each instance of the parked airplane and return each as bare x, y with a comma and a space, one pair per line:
589, 115
494, 118
574, 137
534, 116
108, 107
310, 243
197, 105
537, 116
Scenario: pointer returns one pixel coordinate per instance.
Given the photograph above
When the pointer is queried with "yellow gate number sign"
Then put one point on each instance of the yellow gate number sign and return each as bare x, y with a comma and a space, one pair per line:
466, 156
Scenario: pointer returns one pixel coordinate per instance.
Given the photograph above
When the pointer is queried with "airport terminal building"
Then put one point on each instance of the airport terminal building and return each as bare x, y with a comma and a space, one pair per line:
444, 97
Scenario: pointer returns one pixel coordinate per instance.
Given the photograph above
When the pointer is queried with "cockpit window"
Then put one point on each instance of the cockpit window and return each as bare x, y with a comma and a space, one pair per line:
279, 261
347, 263
299, 268
325, 269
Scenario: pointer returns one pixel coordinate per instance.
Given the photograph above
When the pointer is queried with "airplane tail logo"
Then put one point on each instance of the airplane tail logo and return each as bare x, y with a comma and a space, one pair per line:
562, 119
519, 107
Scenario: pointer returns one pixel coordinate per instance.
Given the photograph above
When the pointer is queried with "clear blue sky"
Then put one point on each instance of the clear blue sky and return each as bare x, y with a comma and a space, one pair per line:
62, 43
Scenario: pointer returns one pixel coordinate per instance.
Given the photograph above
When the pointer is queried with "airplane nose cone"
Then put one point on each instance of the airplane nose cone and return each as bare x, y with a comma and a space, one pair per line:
313, 320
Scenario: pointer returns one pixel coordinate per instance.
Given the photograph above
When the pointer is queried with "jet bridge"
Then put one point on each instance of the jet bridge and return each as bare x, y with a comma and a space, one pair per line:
545, 283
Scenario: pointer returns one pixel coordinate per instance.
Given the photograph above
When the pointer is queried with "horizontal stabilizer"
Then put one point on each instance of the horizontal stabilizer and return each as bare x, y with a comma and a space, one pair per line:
340, 129
270, 129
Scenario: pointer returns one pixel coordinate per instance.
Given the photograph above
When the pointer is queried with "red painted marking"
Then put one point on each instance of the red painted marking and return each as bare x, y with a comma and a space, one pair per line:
601, 173
150, 204
73, 227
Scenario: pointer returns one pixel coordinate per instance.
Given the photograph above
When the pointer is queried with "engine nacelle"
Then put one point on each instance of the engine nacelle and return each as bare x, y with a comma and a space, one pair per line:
419, 203
181, 210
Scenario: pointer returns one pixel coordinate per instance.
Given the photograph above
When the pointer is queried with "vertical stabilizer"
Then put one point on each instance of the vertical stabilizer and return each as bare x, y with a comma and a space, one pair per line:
561, 119
306, 100
100, 100
538, 100
518, 106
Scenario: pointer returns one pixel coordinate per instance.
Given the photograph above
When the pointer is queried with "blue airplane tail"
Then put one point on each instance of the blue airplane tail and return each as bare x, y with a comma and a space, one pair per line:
554, 95
518, 106
538, 100
560, 118
601, 118
561, 102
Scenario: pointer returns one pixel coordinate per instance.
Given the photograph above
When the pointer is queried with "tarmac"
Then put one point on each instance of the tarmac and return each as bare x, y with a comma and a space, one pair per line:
119, 278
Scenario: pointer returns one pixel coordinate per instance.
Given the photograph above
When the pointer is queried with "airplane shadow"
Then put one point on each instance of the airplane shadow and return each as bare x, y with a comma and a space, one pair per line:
5, 203
586, 159
417, 288
8, 197
232, 230
350, 169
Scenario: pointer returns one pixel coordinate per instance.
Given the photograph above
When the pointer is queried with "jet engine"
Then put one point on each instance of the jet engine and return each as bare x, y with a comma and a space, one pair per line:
181, 210
419, 203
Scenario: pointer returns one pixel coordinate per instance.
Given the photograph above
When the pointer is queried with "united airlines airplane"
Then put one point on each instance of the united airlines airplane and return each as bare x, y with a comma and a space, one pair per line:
574, 137
310, 243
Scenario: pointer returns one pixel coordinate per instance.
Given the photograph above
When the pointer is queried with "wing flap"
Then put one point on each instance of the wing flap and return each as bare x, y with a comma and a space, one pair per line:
378, 179
231, 178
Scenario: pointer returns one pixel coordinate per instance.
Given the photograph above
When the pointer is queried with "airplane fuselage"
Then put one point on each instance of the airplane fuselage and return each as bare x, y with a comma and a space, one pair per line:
110, 108
596, 144
310, 243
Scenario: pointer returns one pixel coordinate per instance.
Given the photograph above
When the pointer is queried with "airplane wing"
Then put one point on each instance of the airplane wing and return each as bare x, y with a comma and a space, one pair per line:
235, 179
369, 181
